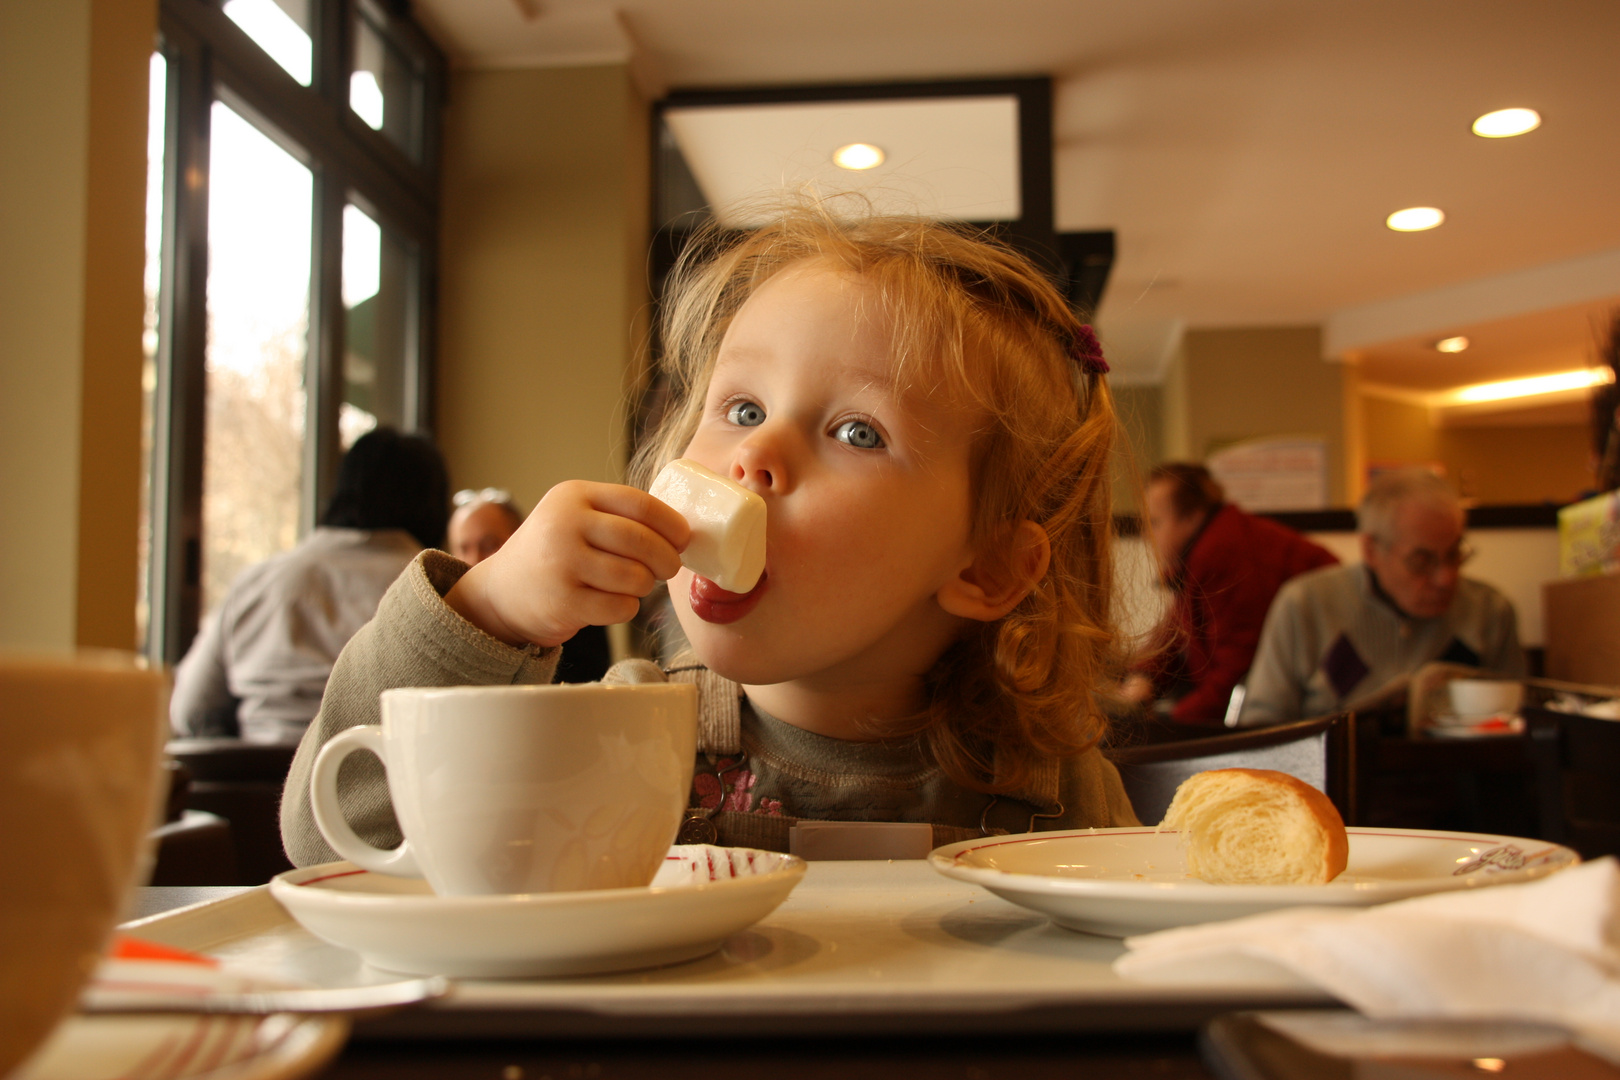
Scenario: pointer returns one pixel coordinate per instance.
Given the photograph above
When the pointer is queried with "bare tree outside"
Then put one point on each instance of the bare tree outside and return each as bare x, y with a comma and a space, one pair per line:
259, 248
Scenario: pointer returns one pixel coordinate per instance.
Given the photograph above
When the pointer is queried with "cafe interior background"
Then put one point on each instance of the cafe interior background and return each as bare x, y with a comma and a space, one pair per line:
455, 235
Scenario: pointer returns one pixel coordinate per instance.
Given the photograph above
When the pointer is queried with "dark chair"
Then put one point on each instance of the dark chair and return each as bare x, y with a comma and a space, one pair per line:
191, 847
240, 782
1577, 761
1321, 752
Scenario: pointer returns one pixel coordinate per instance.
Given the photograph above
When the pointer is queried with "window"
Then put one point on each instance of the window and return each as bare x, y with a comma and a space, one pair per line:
292, 211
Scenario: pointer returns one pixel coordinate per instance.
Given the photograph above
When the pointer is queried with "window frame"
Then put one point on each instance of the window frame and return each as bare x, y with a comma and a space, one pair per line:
210, 58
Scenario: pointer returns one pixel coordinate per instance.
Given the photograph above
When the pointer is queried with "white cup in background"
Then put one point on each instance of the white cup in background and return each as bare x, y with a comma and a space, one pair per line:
1478, 699
522, 789
81, 738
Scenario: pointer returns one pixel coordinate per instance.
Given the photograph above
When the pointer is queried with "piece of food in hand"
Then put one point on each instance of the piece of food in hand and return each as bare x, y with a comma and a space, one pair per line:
728, 524
1257, 827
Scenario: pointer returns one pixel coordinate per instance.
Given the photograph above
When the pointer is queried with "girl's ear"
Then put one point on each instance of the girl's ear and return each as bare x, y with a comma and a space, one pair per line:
986, 590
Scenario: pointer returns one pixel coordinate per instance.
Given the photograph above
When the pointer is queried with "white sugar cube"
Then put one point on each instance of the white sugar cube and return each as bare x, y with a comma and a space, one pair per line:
728, 524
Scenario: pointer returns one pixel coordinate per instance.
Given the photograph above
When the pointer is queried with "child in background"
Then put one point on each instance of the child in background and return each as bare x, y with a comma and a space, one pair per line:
928, 425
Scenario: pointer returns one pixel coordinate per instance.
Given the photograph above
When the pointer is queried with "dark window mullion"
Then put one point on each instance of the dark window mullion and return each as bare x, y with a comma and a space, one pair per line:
323, 371
180, 399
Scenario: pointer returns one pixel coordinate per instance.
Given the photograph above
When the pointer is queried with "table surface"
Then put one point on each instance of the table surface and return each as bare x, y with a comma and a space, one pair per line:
1136, 1037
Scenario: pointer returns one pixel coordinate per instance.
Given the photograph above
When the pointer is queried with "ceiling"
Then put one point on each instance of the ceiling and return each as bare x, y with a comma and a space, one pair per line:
1246, 152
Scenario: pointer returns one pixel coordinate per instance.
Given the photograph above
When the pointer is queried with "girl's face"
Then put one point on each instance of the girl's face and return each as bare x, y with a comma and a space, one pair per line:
866, 490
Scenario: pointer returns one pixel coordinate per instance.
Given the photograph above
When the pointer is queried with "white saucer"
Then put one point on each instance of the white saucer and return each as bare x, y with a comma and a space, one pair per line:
182, 1046
1118, 882
700, 897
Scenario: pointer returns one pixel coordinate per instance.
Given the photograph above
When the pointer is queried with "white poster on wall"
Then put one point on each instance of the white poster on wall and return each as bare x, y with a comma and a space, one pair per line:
1286, 472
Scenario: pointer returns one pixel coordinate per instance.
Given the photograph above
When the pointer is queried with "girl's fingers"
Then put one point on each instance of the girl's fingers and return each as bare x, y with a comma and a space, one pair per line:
605, 608
608, 573
636, 505
626, 538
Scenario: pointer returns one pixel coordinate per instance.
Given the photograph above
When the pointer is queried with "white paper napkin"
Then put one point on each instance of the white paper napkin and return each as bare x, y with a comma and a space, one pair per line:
1547, 950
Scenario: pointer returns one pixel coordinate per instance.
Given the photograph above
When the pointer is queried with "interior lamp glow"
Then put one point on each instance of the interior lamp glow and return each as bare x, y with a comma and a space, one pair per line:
1452, 344
1538, 384
1504, 123
1415, 219
858, 156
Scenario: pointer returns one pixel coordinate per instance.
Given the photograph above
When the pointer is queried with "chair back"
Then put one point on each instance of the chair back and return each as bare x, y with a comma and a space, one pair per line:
240, 782
1577, 760
1320, 752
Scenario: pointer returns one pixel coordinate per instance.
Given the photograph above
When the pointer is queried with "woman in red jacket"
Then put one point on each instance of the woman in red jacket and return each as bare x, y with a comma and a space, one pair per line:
1224, 566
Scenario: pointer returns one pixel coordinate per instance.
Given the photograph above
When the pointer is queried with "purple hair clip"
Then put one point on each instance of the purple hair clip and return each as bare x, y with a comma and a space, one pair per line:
1087, 352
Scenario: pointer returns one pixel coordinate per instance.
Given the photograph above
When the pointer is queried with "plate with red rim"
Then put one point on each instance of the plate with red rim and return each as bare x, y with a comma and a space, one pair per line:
180, 1046
701, 896
1119, 882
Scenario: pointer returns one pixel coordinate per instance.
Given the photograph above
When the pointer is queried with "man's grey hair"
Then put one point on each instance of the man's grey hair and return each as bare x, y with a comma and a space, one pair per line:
1385, 496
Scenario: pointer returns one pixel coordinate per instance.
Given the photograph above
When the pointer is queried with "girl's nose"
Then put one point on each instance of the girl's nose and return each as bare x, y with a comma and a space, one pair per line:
761, 465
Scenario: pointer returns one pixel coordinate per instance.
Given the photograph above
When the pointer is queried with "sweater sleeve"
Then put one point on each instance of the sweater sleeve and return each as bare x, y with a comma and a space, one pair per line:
415, 640
201, 683
1276, 685
1503, 652
1234, 607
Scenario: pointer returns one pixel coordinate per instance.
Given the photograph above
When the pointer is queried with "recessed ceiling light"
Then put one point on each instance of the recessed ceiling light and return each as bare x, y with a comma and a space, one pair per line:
857, 156
1414, 219
1505, 122
1539, 384
1452, 344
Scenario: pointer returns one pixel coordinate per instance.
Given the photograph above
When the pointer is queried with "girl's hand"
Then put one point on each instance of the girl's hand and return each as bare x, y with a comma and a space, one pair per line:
586, 556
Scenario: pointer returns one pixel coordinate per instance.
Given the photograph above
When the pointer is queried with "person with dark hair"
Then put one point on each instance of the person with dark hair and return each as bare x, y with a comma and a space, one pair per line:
259, 665
1224, 567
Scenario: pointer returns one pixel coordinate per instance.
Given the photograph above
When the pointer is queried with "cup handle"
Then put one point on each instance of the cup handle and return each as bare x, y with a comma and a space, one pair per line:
323, 800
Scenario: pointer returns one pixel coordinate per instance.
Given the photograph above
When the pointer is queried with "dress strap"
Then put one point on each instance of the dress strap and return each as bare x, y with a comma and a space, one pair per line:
719, 705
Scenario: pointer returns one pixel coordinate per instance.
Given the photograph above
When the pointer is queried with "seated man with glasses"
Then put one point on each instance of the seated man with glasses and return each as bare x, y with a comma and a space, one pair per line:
1346, 635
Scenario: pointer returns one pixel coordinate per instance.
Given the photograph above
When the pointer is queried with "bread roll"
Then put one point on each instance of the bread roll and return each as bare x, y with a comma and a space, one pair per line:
1257, 827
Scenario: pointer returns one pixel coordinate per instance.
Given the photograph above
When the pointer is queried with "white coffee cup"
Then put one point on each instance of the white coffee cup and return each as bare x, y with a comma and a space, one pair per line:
81, 737
522, 789
1476, 699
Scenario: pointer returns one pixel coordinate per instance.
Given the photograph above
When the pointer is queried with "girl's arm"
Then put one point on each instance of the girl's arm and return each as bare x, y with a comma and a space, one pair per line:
415, 640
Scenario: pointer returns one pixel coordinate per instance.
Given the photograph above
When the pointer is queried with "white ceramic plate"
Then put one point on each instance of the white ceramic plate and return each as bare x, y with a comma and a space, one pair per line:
182, 1046
1118, 882
700, 897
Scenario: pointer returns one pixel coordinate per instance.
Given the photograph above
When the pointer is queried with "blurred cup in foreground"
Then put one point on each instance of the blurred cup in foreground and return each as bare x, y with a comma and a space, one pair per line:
81, 736
522, 789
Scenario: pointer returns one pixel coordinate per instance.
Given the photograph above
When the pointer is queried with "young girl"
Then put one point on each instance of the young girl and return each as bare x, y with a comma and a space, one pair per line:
927, 423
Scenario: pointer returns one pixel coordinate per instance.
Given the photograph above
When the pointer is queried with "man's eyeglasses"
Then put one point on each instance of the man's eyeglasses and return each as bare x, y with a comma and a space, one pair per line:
467, 496
1421, 562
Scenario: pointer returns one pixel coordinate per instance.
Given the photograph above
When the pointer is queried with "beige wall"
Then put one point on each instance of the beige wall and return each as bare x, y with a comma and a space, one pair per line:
1494, 465
1229, 385
542, 298
1140, 447
73, 79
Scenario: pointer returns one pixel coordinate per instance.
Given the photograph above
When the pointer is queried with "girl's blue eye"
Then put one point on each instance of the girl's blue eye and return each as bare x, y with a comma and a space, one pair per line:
746, 414
858, 433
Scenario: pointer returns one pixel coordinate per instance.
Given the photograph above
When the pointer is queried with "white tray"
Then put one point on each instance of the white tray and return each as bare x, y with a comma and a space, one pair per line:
876, 947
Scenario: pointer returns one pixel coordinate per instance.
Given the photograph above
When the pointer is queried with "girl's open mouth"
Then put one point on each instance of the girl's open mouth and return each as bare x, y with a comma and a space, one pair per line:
713, 604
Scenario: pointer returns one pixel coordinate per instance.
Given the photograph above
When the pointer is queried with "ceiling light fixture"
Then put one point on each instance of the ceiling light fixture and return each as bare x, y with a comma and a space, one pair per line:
1452, 344
1415, 219
858, 156
1504, 123
1538, 384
